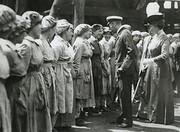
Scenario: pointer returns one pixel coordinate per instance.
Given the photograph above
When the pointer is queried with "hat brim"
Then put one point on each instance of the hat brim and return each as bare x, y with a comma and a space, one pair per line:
154, 18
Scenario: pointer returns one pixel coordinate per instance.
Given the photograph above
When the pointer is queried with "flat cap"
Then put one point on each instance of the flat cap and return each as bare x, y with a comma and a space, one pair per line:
112, 18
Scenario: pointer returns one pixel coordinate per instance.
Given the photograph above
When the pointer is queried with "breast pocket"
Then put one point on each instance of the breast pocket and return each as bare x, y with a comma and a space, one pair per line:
86, 73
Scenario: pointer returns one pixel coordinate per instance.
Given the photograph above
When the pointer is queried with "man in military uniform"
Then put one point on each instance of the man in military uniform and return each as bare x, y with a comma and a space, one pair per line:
125, 54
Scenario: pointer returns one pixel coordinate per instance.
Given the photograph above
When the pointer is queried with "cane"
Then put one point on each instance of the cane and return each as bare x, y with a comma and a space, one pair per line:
141, 76
136, 89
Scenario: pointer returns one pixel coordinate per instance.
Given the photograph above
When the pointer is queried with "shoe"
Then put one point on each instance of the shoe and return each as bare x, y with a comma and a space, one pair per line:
125, 125
95, 112
119, 120
104, 109
84, 115
80, 122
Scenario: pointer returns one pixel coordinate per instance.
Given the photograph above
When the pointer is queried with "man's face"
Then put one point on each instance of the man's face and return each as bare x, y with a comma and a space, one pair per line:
112, 27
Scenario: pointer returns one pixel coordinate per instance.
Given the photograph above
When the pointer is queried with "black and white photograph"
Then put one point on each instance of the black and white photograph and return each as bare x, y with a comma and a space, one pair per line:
89, 65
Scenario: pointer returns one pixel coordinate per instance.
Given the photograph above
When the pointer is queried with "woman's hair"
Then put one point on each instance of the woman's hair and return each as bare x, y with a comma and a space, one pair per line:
159, 24
96, 27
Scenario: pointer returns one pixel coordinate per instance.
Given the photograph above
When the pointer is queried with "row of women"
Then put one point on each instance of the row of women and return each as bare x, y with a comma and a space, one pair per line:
44, 80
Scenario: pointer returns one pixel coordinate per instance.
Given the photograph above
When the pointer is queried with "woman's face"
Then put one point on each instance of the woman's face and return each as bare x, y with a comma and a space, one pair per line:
152, 29
107, 36
51, 33
69, 34
37, 31
98, 33
136, 38
20, 38
88, 34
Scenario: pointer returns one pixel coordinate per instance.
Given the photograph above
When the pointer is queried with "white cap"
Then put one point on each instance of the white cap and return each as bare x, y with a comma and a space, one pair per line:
136, 32
111, 18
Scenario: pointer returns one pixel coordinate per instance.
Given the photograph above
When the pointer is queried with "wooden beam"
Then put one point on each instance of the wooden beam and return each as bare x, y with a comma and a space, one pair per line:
103, 11
78, 12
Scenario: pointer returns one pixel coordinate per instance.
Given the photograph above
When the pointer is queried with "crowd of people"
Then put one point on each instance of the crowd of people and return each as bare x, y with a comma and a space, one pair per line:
54, 74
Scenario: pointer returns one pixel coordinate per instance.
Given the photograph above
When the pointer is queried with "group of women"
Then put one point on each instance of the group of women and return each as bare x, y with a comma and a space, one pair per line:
45, 79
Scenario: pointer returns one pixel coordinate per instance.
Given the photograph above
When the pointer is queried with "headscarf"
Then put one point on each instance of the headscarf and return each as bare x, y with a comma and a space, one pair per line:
81, 28
32, 17
21, 26
62, 25
47, 23
7, 18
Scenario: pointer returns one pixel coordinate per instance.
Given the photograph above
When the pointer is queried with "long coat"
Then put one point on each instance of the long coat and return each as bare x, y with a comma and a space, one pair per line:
49, 74
32, 92
5, 115
68, 119
82, 65
158, 100
106, 68
18, 70
112, 62
96, 65
64, 81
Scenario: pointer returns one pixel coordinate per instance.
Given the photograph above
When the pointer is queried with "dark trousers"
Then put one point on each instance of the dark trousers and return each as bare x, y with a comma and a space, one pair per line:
126, 98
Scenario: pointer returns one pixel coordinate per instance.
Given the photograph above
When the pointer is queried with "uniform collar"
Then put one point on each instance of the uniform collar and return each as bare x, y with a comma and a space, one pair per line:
120, 29
36, 41
59, 38
93, 38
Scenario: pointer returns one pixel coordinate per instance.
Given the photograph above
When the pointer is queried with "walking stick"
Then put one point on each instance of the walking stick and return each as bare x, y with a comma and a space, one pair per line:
141, 76
136, 89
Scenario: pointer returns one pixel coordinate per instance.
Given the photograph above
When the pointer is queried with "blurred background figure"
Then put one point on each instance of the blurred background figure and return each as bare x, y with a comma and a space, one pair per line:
97, 34
106, 70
